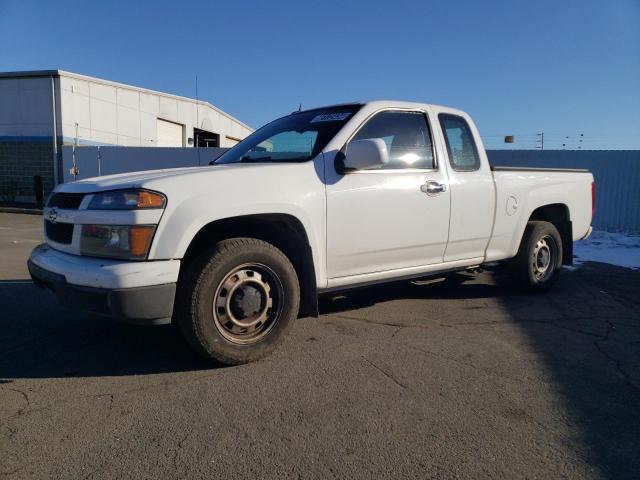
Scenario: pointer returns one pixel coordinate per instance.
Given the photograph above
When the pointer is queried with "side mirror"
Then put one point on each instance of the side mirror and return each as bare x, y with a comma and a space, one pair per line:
367, 153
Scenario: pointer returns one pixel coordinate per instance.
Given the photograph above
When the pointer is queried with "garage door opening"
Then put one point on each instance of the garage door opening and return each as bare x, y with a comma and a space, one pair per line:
169, 134
202, 138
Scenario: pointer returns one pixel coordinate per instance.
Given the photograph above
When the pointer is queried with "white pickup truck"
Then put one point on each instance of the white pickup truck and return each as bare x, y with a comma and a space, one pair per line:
316, 201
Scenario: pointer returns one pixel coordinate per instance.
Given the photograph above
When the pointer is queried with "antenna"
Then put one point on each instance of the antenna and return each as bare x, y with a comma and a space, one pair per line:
74, 169
195, 139
197, 103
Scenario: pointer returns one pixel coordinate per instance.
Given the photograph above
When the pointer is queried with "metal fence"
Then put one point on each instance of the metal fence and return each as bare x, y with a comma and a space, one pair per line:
617, 175
97, 161
617, 172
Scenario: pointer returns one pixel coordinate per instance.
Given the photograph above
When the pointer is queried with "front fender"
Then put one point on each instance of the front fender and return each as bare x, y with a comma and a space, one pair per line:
179, 227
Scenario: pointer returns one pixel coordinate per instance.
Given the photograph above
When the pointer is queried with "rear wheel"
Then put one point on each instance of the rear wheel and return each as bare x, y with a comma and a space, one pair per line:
538, 263
238, 301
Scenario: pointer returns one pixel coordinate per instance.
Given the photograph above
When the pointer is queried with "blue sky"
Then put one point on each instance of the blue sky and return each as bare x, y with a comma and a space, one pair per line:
564, 67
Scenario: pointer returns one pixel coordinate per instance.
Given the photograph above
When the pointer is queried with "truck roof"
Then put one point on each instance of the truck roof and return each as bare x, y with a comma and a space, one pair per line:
380, 104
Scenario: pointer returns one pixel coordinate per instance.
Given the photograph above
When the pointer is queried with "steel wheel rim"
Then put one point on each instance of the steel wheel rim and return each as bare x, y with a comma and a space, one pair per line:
544, 258
247, 303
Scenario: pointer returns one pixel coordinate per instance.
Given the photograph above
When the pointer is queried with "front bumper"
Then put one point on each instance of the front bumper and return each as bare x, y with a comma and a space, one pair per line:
104, 291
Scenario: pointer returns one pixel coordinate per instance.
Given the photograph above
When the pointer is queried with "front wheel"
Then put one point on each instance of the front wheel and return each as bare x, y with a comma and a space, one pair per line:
238, 301
538, 263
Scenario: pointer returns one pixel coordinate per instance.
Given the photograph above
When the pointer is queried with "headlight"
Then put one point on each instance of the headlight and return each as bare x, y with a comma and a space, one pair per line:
130, 242
127, 200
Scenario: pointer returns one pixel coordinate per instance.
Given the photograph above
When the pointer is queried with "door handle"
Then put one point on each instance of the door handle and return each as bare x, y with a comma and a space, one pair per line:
433, 188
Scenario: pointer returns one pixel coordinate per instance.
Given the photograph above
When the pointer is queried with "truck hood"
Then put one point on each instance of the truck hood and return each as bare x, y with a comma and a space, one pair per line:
156, 178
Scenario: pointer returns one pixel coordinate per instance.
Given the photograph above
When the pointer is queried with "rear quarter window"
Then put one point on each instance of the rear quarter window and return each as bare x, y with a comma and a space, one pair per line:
461, 147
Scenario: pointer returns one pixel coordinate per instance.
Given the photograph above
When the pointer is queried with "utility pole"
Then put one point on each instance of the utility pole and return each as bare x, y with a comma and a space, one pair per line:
74, 169
197, 105
540, 140
195, 137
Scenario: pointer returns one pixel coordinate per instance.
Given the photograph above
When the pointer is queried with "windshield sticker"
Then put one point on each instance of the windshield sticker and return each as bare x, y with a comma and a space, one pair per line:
330, 117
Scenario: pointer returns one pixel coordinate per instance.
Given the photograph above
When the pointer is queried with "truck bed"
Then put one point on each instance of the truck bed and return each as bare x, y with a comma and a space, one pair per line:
522, 190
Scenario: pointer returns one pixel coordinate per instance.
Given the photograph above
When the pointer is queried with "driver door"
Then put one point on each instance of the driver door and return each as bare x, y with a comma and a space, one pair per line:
394, 217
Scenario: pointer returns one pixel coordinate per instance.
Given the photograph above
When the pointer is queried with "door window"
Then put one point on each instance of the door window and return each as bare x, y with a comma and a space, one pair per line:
463, 154
407, 136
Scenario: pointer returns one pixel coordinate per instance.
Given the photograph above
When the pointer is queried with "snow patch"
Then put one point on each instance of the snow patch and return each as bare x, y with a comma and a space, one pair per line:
620, 249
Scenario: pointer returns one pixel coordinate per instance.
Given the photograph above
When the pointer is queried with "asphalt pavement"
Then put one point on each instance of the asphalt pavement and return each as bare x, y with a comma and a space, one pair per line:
460, 377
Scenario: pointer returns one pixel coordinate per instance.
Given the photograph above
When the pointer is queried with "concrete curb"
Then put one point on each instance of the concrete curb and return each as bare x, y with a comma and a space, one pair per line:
27, 211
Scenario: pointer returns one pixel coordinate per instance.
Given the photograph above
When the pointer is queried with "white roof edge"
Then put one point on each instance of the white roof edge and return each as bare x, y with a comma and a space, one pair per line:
64, 73
411, 104
387, 103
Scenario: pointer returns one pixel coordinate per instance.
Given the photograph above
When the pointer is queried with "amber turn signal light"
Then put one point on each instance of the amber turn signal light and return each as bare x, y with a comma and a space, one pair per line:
148, 199
141, 240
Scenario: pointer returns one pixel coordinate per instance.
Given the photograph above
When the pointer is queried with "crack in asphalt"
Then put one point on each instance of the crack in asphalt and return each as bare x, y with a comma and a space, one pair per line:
397, 331
619, 368
618, 364
551, 323
554, 323
357, 319
112, 395
611, 369
386, 374
487, 372
25, 397
625, 302
176, 451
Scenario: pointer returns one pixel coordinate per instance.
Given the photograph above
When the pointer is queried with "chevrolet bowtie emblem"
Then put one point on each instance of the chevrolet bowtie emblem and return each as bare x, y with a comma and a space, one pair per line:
53, 215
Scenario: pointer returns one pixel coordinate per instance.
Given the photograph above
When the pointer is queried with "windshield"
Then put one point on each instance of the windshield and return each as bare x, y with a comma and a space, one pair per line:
295, 138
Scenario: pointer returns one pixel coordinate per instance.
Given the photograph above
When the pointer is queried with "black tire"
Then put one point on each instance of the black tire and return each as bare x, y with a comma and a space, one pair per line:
538, 263
238, 277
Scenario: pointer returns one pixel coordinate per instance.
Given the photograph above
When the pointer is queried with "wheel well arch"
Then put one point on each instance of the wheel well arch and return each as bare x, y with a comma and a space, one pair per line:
284, 231
558, 215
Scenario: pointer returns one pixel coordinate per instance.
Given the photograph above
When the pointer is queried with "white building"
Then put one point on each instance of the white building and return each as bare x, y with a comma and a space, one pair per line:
42, 110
